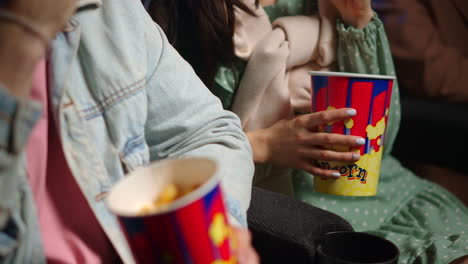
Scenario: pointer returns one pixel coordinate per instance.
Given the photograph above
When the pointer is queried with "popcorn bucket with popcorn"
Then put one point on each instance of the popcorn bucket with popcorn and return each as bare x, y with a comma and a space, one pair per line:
173, 212
370, 96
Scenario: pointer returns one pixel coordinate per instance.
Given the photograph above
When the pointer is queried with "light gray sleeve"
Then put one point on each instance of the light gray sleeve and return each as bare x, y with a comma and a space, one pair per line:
186, 119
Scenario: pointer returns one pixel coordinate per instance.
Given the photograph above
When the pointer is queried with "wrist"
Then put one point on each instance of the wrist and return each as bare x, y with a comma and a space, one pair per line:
360, 19
19, 54
259, 142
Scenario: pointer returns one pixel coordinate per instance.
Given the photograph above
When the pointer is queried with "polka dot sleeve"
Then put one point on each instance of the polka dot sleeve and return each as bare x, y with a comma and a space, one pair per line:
367, 51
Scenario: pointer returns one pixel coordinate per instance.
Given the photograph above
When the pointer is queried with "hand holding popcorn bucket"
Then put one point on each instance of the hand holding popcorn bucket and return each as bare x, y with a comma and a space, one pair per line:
370, 95
173, 212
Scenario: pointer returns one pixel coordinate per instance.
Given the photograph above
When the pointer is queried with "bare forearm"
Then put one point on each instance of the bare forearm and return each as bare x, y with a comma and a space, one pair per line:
19, 54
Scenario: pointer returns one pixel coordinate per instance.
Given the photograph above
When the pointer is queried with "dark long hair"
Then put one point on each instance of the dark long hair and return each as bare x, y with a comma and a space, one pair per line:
200, 30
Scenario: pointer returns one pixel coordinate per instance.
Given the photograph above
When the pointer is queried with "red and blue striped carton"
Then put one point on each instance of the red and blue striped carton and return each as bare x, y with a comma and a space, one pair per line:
370, 95
191, 229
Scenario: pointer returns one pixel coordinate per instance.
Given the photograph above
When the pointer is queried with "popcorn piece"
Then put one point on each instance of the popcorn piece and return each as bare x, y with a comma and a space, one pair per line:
170, 193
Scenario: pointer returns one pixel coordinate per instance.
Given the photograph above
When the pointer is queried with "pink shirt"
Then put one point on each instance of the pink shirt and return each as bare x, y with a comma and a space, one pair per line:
69, 229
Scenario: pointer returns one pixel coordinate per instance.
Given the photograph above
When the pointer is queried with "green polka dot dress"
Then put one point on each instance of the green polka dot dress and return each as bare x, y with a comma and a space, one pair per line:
426, 222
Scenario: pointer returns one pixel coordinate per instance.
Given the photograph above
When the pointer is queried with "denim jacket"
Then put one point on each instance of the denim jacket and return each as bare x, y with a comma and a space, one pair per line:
121, 97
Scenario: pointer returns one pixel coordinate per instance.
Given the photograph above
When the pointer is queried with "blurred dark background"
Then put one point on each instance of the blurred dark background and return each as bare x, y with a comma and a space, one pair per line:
429, 44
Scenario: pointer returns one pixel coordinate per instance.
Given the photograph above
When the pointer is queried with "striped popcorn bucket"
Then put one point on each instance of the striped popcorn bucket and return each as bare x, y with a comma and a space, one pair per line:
370, 96
191, 229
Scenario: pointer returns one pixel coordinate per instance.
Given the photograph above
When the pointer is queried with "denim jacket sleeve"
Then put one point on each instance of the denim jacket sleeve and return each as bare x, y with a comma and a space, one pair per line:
186, 119
17, 118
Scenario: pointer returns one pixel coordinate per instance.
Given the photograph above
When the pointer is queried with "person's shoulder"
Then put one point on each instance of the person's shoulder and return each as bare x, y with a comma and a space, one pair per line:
126, 23
124, 13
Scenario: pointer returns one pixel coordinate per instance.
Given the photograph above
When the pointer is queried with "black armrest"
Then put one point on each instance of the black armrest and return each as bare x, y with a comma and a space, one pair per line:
285, 230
